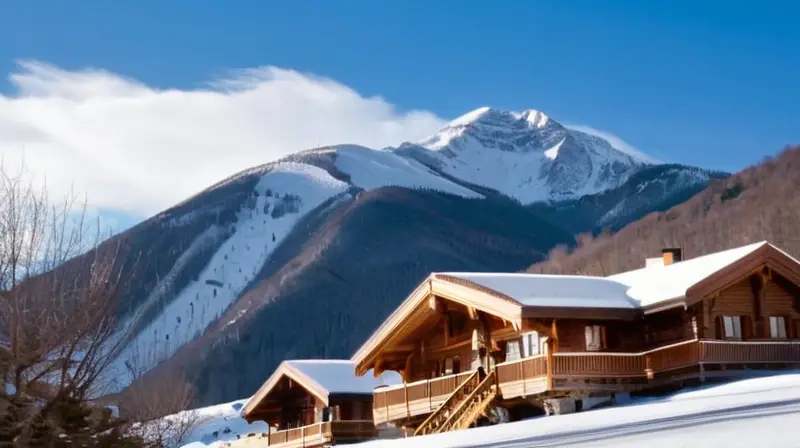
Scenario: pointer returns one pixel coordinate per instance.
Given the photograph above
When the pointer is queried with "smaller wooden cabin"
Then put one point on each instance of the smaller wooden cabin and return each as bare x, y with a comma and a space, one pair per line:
314, 403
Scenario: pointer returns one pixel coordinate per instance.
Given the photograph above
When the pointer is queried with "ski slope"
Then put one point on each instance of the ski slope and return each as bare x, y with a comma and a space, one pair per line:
281, 198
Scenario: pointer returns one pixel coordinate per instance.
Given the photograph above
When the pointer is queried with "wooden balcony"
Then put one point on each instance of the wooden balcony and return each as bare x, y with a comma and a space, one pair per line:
597, 372
317, 434
414, 399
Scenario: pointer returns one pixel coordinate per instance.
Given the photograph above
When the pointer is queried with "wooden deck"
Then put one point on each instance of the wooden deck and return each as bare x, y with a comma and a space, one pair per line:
596, 372
318, 434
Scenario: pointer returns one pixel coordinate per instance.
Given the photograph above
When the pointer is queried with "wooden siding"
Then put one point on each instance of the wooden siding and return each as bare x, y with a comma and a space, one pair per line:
734, 301
740, 300
778, 302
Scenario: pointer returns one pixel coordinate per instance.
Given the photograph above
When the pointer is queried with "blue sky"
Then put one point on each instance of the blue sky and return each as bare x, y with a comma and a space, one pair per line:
708, 83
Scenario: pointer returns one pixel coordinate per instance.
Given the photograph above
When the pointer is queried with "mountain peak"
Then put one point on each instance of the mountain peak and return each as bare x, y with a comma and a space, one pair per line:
500, 117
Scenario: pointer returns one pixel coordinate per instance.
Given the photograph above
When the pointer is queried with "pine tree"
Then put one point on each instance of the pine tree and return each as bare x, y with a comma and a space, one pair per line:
11, 419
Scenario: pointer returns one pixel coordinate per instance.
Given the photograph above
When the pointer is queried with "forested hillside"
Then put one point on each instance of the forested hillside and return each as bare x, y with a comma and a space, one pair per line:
760, 203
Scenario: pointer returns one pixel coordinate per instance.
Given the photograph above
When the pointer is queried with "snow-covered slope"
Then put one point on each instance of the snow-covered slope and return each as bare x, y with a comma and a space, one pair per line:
528, 156
284, 193
758, 412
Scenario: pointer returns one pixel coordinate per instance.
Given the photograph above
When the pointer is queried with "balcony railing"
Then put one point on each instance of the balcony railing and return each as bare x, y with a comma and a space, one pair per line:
412, 399
316, 434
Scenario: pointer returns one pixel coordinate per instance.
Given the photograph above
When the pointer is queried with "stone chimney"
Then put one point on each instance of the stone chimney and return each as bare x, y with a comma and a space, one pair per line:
671, 255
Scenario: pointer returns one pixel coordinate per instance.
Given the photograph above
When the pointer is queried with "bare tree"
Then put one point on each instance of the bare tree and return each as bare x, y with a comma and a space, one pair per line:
58, 290
161, 402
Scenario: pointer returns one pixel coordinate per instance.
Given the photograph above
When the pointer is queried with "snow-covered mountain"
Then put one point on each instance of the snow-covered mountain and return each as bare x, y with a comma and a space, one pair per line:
527, 156
331, 239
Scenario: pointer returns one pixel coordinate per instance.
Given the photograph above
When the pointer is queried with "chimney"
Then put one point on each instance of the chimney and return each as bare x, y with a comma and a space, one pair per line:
671, 255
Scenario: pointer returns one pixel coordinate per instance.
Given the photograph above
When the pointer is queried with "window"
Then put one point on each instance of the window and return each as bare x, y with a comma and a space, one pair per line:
732, 327
530, 344
777, 327
595, 338
512, 351
448, 366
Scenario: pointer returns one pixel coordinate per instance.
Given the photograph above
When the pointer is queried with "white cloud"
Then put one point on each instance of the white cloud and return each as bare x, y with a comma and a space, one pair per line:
139, 149
616, 142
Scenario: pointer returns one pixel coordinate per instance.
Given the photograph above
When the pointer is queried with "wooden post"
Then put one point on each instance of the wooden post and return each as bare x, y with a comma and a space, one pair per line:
405, 395
554, 335
550, 366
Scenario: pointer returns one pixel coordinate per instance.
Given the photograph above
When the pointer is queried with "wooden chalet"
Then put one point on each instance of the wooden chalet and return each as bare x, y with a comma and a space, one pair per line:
314, 403
472, 346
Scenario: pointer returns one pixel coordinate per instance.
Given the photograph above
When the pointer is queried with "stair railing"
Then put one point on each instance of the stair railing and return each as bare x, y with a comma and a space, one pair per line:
440, 415
473, 406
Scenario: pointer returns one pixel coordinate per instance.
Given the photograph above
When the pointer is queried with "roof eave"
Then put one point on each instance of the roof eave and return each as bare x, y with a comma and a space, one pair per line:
588, 313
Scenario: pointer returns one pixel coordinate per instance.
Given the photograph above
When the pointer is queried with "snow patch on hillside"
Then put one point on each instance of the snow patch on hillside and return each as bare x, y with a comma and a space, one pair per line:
281, 197
218, 424
370, 169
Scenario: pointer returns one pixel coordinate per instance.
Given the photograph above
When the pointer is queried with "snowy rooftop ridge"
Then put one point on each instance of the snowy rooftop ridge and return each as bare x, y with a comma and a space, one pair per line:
639, 288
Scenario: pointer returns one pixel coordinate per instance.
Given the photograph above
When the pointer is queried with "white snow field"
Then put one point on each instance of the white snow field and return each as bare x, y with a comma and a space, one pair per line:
757, 412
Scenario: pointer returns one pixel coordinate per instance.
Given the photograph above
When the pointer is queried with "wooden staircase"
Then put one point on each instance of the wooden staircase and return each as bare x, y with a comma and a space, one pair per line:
463, 407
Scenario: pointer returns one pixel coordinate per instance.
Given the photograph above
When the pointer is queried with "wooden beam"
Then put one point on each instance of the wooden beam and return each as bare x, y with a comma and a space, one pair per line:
408, 369
473, 313
536, 325
378, 369
434, 303
554, 335
446, 329
757, 287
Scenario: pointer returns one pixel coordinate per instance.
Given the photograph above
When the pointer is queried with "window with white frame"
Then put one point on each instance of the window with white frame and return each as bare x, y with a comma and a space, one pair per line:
594, 338
777, 327
530, 344
732, 327
512, 350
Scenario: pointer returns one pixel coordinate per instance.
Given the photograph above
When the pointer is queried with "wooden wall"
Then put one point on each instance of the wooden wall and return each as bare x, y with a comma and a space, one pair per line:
739, 300
352, 407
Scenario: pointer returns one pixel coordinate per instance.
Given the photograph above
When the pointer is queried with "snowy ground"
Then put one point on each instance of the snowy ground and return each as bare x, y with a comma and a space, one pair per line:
757, 412
220, 423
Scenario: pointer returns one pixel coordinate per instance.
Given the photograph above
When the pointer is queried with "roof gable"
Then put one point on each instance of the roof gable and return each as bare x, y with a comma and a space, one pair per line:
321, 378
651, 286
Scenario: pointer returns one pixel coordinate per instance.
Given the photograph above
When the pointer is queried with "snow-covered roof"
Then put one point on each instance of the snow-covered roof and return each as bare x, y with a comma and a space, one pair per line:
323, 377
641, 288
338, 376
655, 284
570, 291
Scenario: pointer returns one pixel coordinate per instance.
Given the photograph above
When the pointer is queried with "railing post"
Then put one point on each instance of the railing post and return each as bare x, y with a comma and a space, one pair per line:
303, 436
549, 367
405, 394
428, 391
